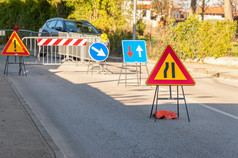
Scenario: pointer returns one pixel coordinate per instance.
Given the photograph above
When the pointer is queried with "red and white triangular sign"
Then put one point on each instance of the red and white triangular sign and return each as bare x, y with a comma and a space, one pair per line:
15, 47
169, 70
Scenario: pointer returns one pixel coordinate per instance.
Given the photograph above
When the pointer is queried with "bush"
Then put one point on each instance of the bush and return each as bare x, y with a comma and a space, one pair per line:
199, 39
116, 41
28, 14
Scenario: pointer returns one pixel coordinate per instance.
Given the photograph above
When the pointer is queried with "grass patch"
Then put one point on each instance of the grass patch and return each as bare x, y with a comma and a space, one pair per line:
234, 50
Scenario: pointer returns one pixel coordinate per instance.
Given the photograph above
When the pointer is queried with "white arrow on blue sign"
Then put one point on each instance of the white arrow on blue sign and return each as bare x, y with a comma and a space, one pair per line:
98, 52
134, 51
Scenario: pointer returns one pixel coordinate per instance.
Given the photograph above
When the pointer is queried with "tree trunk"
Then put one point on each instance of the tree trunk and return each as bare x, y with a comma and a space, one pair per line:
228, 10
60, 8
203, 9
192, 8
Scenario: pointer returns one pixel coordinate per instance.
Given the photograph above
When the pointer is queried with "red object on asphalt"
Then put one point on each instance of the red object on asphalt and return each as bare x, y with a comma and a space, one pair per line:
16, 28
165, 114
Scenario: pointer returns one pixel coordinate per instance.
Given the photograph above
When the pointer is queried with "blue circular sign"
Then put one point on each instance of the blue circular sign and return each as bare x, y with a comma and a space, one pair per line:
98, 52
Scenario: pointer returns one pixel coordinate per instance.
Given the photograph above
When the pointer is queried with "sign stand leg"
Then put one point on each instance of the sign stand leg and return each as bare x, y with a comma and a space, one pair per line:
138, 67
140, 73
6, 66
185, 104
22, 68
156, 98
153, 101
178, 101
170, 92
137, 75
120, 74
126, 75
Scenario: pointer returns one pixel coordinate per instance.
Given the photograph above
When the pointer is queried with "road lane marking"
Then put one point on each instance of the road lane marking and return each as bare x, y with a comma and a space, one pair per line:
213, 109
207, 106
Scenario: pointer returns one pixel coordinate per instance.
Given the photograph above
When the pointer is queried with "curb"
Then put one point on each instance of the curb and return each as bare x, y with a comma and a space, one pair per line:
36, 121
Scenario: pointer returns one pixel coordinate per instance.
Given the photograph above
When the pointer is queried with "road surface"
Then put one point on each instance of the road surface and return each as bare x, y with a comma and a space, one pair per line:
89, 115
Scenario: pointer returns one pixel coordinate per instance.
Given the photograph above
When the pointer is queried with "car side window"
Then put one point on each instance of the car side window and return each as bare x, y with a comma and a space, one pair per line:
87, 28
71, 26
51, 25
59, 25
48, 24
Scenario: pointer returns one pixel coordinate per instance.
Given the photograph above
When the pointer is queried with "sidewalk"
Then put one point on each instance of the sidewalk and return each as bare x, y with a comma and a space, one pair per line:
19, 136
222, 67
216, 71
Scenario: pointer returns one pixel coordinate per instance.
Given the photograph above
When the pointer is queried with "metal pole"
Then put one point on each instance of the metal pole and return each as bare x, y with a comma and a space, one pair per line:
157, 95
185, 104
154, 101
6, 67
178, 101
134, 22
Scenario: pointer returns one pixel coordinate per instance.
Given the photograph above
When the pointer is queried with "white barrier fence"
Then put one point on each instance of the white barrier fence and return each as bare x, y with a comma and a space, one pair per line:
58, 54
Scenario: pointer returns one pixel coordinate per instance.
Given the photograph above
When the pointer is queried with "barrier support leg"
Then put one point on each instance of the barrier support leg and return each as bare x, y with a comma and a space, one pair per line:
6, 66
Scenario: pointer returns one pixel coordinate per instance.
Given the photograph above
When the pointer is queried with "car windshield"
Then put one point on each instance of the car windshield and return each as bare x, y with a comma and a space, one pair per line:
80, 27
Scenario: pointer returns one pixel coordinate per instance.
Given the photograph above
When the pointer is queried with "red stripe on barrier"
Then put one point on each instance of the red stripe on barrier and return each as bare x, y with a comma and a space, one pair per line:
67, 42
77, 42
39, 39
47, 42
57, 42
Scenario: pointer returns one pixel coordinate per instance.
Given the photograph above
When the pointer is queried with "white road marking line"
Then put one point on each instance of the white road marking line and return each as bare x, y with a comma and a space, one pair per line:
213, 109
207, 106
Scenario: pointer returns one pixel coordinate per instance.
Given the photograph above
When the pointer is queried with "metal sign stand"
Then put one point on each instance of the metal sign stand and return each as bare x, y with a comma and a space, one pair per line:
101, 66
22, 68
156, 98
138, 73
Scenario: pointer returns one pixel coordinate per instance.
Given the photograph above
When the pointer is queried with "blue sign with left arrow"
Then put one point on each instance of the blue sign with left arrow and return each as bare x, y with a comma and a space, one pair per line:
134, 51
98, 52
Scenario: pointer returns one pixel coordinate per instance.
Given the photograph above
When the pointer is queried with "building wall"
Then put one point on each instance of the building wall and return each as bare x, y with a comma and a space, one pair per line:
212, 17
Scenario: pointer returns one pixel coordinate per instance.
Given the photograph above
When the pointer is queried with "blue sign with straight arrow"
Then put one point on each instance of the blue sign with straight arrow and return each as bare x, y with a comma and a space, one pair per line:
98, 52
134, 51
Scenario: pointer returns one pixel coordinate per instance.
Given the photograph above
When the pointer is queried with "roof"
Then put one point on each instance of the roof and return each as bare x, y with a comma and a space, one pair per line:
145, 6
180, 19
177, 7
213, 10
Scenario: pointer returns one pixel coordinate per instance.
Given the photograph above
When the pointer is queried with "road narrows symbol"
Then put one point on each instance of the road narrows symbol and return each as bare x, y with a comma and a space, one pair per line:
167, 68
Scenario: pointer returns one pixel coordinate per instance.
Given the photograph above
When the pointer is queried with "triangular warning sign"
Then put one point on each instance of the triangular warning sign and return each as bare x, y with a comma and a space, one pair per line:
169, 70
15, 47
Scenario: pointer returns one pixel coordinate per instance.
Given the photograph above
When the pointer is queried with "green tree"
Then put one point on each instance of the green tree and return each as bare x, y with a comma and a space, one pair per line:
104, 14
28, 14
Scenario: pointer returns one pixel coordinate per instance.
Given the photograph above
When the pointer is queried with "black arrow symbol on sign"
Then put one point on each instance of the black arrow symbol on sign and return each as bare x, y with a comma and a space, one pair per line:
15, 46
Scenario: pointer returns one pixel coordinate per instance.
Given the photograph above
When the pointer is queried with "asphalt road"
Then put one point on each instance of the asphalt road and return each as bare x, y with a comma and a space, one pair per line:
88, 115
